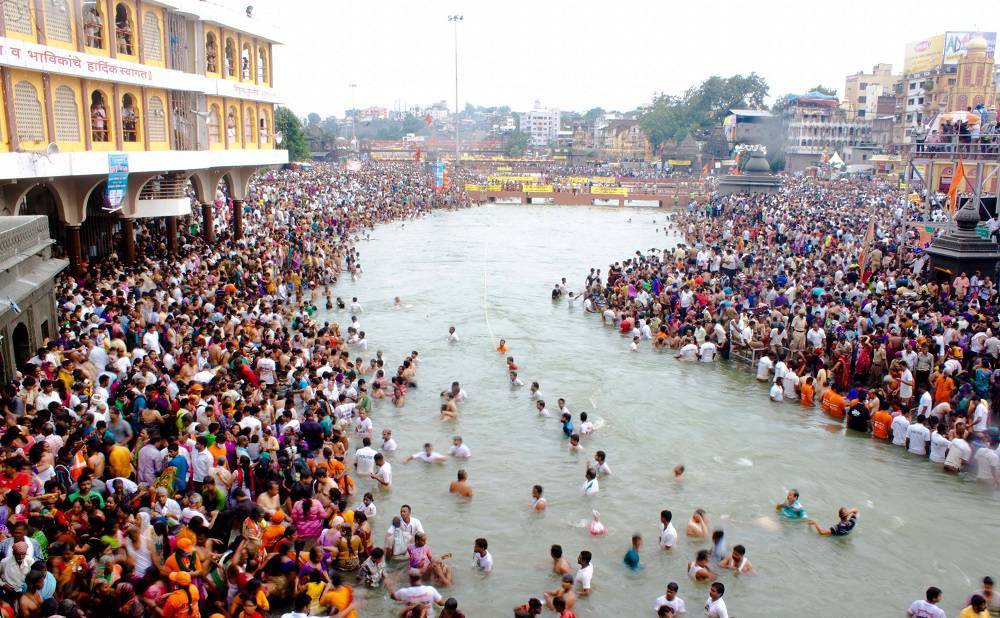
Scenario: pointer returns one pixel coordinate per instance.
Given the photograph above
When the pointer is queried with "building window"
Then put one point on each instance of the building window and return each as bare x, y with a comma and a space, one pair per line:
130, 119
861, 113
264, 133
231, 125
979, 75
863, 85
93, 27
211, 53
98, 118
157, 120
123, 29
913, 85
261, 65
920, 101
17, 16
214, 125
57, 25
230, 58
152, 41
862, 99
909, 101
246, 63
28, 113
248, 126
67, 115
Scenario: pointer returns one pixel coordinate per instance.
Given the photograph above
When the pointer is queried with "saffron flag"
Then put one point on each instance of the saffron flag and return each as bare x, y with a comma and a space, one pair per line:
956, 181
78, 464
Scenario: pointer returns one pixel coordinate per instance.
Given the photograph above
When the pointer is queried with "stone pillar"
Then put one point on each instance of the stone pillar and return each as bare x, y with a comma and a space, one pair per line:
128, 241
237, 219
207, 223
73, 250
171, 235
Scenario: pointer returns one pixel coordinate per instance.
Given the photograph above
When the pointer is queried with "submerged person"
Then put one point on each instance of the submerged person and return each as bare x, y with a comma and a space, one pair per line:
791, 508
632, 555
848, 519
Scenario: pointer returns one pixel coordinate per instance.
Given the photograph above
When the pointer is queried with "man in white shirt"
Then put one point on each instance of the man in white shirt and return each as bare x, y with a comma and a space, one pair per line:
481, 557
926, 402
151, 340
777, 391
688, 352
958, 455
415, 593
764, 367
906, 386
428, 455
388, 444
987, 462
668, 534
583, 577
364, 458
458, 449
671, 600
980, 416
707, 352
788, 383
201, 460
917, 436
939, 445
410, 526
928, 608
899, 426
715, 607
383, 472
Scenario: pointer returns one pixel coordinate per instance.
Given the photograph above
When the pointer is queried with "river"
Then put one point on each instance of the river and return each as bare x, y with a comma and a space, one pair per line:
489, 272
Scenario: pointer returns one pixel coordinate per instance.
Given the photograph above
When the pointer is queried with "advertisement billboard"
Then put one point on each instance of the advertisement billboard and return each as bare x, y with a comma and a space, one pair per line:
955, 42
923, 55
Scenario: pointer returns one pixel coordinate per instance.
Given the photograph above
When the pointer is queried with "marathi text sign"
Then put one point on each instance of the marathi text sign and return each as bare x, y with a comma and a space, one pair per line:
578, 180
603, 179
512, 178
609, 190
538, 188
679, 162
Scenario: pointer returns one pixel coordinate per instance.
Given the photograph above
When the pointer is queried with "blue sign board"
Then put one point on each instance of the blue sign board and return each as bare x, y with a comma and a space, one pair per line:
117, 181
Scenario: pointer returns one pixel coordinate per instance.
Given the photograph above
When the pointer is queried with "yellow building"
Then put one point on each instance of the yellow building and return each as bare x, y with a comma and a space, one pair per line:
974, 83
175, 93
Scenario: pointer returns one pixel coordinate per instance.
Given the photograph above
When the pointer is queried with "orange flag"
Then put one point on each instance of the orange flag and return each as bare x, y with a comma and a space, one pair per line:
956, 181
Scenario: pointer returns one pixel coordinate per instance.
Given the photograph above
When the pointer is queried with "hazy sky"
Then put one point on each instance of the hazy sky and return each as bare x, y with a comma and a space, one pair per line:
583, 53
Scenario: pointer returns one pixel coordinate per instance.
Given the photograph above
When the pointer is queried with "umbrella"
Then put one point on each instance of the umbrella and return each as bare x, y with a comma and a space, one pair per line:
960, 116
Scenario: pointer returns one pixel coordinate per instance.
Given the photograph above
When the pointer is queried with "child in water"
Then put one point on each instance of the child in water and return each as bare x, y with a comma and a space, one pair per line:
632, 555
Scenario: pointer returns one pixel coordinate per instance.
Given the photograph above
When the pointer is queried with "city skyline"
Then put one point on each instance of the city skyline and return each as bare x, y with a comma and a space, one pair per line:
400, 55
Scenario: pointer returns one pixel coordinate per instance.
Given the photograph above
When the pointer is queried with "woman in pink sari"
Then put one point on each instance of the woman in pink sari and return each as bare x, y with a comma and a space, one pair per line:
308, 515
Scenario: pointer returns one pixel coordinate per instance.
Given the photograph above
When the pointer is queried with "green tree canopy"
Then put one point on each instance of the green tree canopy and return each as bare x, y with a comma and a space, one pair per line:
515, 143
293, 138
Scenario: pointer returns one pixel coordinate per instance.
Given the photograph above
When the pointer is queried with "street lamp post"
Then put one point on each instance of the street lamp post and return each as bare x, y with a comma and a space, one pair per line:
454, 19
354, 119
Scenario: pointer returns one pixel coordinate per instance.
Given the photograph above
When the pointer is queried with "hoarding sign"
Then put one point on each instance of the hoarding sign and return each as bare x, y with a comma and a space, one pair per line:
117, 181
955, 42
923, 55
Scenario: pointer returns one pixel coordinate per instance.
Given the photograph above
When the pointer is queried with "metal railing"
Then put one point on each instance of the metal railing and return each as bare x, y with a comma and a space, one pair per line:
953, 145
164, 187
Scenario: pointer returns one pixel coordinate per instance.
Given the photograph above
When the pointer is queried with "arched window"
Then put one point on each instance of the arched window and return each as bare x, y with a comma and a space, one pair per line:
152, 41
230, 58
265, 134
123, 29
214, 125
211, 53
99, 117
130, 119
246, 63
93, 26
57, 25
17, 16
156, 120
248, 126
261, 65
28, 113
67, 115
231, 125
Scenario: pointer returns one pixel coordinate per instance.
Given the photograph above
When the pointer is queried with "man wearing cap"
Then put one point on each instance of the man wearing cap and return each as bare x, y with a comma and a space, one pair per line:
14, 568
183, 559
183, 601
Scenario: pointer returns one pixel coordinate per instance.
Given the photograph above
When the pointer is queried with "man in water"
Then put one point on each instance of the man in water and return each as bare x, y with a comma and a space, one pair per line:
632, 555
560, 566
927, 608
848, 519
415, 593
428, 455
458, 449
452, 336
538, 501
564, 591
584, 574
668, 534
482, 559
791, 508
461, 486
671, 600
715, 607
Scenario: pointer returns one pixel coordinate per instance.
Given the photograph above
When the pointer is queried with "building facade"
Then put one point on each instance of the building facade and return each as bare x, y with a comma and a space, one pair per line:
156, 97
541, 125
862, 90
817, 127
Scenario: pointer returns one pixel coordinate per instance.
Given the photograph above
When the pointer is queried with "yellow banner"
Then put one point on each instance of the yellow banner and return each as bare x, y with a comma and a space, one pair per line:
578, 180
609, 190
538, 188
511, 178
603, 179
559, 157
504, 169
679, 162
923, 55
473, 188
494, 188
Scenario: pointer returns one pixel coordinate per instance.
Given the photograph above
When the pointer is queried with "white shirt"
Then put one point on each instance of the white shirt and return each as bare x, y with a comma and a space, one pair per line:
668, 537
388, 446
583, 576
677, 604
363, 427
987, 461
590, 487
431, 457
364, 459
919, 436
461, 451
483, 562
980, 417
412, 529
202, 461
958, 453
939, 446
384, 474
906, 390
764, 367
689, 352
926, 404
923, 609
716, 608
789, 382
418, 595
779, 369
776, 393
899, 427
708, 350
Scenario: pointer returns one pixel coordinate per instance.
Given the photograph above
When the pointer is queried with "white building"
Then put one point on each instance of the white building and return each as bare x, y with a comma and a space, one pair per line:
541, 125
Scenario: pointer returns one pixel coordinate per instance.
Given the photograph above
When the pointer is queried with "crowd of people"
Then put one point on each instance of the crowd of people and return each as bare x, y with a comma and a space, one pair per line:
834, 312
179, 447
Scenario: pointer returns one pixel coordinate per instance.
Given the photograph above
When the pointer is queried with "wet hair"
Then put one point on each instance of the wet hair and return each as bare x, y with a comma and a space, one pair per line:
667, 515
719, 587
556, 551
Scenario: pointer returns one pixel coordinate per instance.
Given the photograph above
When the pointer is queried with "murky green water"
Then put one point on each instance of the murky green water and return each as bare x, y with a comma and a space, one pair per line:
917, 527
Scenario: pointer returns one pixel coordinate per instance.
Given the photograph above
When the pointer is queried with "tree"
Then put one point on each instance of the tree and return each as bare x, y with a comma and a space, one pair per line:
824, 90
329, 128
515, 143
313, 118
412, 124
293, 138
593, 114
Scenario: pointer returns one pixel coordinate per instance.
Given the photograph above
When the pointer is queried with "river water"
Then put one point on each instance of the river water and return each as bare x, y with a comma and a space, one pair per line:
489, 272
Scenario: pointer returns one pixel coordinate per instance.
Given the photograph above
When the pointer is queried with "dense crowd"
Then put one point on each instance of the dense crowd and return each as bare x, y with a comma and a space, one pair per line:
178, 448
834, 311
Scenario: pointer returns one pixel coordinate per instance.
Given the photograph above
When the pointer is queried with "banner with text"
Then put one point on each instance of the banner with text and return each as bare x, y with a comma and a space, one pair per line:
117, 181
600, 190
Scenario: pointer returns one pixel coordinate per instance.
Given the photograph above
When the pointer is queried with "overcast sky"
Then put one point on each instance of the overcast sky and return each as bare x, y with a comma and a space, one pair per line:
581, 54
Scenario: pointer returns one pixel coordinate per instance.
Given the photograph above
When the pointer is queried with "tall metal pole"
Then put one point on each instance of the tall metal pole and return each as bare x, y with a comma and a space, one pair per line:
454, 19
